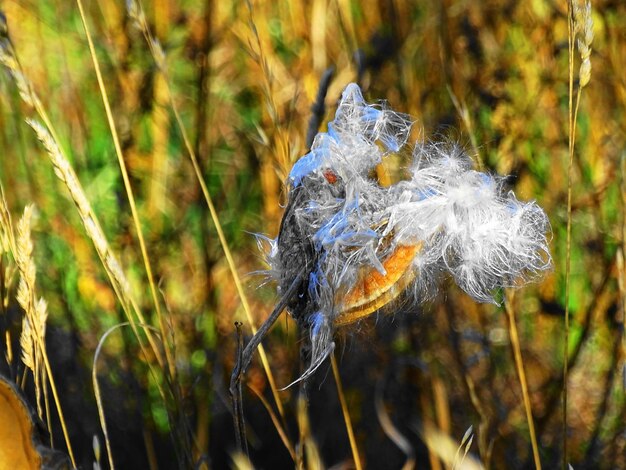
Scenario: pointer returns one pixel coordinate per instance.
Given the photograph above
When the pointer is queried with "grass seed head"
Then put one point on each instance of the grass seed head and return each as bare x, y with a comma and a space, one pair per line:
583, 28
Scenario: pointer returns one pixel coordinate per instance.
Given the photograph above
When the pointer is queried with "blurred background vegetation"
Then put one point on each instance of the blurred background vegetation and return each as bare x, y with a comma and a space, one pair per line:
244, 77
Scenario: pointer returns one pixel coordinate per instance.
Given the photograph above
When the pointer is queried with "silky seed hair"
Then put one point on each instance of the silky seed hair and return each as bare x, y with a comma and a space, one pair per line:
341, 221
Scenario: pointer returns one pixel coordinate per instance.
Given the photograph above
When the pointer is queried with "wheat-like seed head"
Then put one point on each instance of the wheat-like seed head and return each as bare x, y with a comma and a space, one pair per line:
7, 241
8, 59
583, 28
138, 19
136, 14
24, 261
32, 338
65, 173
36, 310
27, 343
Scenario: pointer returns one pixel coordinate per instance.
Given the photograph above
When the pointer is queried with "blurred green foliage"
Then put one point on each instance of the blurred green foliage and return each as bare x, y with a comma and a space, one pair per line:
244, 81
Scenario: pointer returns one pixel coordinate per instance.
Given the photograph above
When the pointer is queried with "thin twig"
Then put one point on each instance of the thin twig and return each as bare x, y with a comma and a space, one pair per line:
244, 357
237, 397
319, 107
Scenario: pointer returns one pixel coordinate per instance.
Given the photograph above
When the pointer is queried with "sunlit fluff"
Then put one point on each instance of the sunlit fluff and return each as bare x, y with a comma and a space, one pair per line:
340, 220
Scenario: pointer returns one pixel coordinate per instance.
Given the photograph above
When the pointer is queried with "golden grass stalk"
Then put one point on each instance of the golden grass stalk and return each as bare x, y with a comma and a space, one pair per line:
346, 413
466, 444
129, 193
136, 14
521, 374
117, 278
277, 424
36, 313
64, 171
446, 448
307, 445
579, 24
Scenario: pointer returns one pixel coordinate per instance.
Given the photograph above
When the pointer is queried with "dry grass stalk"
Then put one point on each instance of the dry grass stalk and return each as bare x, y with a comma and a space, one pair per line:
32, 339
307, 450
466, 444
36, 310
66, 174
136, 14
96, 389
64, 171
521, 374
580, 25
346, 413
447, 449
131, 199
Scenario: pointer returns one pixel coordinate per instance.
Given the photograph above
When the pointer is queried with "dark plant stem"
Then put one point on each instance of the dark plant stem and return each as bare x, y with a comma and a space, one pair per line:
244, 358
237, 397
319, 107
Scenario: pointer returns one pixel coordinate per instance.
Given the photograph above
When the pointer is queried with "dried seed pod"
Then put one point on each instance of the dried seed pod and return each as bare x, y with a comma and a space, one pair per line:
20, 443
359, 245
